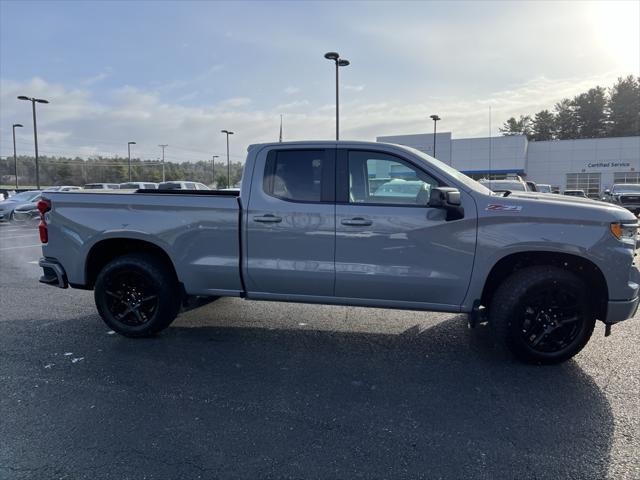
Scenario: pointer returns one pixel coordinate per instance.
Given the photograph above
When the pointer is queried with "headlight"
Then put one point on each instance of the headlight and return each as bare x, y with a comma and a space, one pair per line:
625, 232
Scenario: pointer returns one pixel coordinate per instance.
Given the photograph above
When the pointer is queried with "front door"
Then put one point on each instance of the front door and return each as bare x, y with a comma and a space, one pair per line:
390, 246
291, 224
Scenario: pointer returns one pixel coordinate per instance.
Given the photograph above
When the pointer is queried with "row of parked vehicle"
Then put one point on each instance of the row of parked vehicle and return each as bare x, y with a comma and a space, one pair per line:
22, 207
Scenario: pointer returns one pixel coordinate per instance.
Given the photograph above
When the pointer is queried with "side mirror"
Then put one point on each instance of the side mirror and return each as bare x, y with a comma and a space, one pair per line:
448, 199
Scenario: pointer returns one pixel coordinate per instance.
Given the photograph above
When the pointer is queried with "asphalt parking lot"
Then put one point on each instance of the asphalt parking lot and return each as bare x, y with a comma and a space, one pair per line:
251, 390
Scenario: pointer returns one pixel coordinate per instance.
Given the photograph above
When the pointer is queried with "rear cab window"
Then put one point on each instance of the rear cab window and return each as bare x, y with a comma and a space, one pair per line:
300, 175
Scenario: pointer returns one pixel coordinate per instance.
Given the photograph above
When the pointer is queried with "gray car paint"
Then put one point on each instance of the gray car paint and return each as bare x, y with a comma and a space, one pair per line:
406, 259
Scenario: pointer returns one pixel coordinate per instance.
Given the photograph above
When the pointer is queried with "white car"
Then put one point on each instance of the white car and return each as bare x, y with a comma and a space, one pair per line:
138, 185
182, 185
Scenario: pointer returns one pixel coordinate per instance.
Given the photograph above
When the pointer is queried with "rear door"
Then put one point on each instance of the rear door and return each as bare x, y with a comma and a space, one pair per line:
391, 248
291, 223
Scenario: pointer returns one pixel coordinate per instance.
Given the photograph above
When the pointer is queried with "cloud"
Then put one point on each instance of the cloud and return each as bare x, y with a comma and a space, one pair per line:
354, 88
235, 102
291, 90
77, 124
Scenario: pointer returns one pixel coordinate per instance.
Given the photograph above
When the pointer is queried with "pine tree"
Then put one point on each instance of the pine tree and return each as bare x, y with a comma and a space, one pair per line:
543, 126
566, 121
522, 126
624, 107
591, 113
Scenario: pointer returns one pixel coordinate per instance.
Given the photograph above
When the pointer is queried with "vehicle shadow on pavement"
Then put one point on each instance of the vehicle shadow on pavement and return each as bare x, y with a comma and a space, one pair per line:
225, 402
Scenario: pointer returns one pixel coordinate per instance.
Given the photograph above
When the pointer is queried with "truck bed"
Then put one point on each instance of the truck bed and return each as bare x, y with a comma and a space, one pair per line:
199, 230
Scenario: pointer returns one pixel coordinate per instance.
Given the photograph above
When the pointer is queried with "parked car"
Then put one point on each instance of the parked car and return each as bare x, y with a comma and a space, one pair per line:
182, 185
27, 213
402, 189
138, 185
307, 227
62, 188
626, 195
8, 206
544, 188
575, 193
102, 186
500, 186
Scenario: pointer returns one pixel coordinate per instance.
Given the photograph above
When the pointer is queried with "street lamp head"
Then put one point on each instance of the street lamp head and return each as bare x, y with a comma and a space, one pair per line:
227, 132
131, 143
22, 97
332, 55
343, 63
435, 118
41, 100
17, 125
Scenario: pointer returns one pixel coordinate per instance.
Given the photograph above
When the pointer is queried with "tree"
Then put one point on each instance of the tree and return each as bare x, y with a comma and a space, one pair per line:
566, 120
544, 126
522, 126
624, 107
591, 113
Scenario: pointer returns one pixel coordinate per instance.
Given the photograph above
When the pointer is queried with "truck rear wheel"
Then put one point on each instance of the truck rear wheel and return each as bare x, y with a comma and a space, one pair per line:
137, 295
542, 314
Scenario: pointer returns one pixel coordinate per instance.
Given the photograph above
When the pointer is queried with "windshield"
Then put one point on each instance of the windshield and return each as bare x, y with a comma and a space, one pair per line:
24, 196
626, 188
452, 172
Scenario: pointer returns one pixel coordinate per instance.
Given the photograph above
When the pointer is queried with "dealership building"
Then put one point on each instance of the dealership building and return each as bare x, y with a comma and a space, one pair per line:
592, 165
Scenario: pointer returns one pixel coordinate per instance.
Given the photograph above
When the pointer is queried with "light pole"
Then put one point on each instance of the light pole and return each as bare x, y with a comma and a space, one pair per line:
129, 155
35, 131
340, 62
213, 168
227, 132
435, 119
163, 147
15, 158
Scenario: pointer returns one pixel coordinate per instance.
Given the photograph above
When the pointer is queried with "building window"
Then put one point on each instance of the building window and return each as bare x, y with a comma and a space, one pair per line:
626, 177
587, 182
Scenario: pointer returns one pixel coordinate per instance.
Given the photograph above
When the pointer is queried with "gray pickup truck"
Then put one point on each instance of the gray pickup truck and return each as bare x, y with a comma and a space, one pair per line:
352, 223
624, 194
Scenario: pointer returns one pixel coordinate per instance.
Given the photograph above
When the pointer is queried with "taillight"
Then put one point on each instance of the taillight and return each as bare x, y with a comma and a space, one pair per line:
44, 206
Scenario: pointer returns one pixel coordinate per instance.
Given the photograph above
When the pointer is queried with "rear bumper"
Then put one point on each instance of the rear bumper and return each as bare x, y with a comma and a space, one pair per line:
53, 273
617, 311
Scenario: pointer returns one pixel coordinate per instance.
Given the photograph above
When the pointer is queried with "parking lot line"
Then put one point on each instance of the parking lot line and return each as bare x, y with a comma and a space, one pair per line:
22, 246
13, 230
18, 236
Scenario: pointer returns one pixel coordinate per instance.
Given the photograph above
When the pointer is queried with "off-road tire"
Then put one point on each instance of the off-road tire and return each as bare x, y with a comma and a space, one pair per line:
113, 292
509, 315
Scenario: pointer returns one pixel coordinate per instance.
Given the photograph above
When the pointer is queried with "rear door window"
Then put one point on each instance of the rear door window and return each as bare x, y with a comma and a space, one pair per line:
299, 175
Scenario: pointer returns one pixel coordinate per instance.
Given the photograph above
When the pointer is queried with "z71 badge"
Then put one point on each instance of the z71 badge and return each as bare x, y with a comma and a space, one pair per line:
496, 207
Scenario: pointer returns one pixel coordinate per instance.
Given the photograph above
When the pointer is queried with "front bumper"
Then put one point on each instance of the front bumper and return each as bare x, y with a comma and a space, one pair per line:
53, 273
617, 311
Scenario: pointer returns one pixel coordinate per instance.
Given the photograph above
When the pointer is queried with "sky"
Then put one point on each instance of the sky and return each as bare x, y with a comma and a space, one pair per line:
176, 73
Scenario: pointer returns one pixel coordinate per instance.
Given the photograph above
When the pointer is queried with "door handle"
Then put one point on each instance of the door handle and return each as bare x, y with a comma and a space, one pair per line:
268, 218
356, 222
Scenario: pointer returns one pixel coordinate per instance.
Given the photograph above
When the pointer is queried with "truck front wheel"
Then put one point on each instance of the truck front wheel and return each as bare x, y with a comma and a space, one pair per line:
542, 314
137, 295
